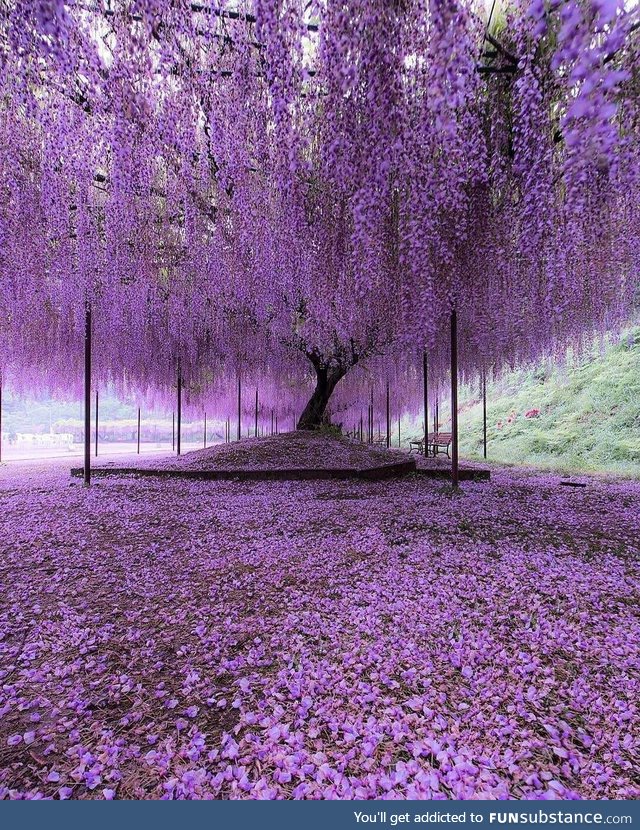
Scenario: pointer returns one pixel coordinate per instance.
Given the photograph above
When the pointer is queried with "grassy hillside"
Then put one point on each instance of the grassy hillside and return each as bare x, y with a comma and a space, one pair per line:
589, 414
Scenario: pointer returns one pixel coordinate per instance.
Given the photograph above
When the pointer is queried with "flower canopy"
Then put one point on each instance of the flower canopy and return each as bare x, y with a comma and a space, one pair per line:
240, 186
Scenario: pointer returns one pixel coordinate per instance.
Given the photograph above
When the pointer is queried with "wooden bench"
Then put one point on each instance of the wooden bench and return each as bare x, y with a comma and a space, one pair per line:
436, 442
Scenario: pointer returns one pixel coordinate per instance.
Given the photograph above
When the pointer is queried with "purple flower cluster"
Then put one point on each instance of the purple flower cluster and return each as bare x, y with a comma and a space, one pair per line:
300, 185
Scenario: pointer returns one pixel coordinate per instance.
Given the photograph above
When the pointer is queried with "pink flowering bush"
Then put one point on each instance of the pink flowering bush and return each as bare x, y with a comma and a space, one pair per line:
318, 640
532, 413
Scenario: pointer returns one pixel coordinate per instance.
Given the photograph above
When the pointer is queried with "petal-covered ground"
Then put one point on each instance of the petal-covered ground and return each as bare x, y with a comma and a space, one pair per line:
167, 638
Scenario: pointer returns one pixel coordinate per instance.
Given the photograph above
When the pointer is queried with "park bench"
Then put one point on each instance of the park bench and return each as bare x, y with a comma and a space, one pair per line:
436, 441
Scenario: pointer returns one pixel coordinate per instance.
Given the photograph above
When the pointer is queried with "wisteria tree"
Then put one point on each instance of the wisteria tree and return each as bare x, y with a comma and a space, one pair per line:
261, 182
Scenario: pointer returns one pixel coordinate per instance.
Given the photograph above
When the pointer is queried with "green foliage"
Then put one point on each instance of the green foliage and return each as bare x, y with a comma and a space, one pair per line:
589, 414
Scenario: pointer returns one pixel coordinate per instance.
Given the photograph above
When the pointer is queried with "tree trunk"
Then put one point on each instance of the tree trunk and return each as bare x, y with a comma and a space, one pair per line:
313, 415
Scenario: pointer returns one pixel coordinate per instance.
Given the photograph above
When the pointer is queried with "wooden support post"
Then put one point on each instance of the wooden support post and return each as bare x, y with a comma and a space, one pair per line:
138, 430
205, 430
388, 417
96, 423
256, 419
276, 423
361, 427
239, 432
179, 426
173, 431
454, 399
425, 391
272, 421
87, 394
484, 411
399, 442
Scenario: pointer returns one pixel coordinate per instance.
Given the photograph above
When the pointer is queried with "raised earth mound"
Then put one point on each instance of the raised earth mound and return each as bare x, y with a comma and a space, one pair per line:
288, 451
292, 455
